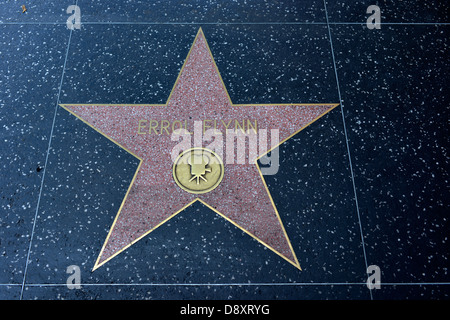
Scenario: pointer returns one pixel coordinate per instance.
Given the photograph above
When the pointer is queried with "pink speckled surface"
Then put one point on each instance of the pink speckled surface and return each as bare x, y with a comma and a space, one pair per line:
154, 196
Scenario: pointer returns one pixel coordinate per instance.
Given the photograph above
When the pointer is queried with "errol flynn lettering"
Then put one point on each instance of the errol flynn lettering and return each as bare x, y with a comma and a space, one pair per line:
162, 187
168, 127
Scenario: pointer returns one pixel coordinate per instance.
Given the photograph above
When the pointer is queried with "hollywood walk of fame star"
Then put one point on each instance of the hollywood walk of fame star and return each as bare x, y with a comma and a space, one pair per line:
153, 197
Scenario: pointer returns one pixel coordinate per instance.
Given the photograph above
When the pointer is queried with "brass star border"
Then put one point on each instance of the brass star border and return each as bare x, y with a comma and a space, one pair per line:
99, 263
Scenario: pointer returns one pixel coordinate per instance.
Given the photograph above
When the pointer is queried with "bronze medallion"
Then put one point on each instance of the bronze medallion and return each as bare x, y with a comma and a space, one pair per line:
198, 170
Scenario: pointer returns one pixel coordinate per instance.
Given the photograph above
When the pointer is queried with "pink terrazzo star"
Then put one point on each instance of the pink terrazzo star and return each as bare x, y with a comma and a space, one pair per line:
153, 197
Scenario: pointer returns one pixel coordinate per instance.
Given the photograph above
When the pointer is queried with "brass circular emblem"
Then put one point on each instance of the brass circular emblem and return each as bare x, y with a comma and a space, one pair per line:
198, 170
